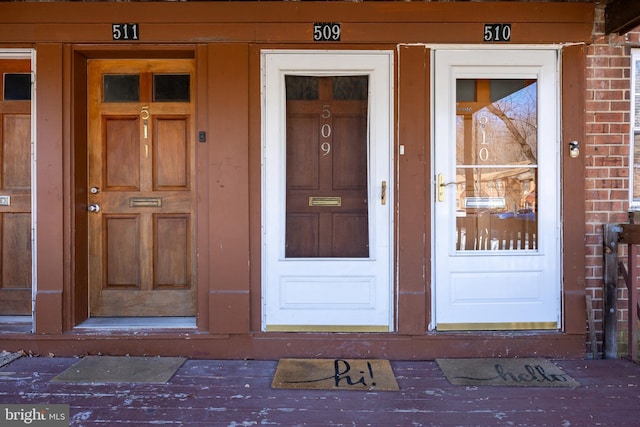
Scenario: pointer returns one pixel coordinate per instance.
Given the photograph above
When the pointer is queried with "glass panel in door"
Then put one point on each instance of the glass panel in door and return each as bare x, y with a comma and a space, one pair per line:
326, 164
496, 165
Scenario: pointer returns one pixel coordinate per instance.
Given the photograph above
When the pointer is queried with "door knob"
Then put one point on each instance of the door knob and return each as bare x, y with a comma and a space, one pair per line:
94, 207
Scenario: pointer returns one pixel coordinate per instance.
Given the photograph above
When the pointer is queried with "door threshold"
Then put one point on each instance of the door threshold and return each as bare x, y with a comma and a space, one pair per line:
16, 324
119, 323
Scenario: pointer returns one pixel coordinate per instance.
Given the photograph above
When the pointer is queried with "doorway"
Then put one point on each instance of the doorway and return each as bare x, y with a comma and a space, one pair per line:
140, 188
17, 138
327, 191
496, 222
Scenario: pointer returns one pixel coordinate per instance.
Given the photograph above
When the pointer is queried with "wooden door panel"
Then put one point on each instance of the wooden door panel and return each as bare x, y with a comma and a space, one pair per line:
130, 302
305, 227
141, 159
15, 184
350, 235
171, 159
302, 153
16, 263
350, 160
122, 153
16, 151
122, 251
172, 254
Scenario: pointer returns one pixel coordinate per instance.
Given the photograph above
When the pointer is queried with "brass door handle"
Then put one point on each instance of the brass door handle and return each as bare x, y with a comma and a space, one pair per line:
383, 199
441, 186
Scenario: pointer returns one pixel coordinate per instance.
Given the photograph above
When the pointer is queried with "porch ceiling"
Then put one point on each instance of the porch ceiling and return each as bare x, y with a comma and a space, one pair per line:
621, 15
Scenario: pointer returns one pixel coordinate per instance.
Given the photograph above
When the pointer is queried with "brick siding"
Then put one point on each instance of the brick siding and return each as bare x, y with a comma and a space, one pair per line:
606, 152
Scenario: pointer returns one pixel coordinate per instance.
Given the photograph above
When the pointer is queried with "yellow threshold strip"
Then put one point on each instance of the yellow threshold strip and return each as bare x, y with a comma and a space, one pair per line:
503, 326
327, 328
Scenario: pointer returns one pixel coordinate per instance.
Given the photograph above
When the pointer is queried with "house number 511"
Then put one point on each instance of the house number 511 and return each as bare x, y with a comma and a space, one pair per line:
123, 32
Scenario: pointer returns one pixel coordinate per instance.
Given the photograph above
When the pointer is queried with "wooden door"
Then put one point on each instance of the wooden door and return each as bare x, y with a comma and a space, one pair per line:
140, 188
15, 187
327, 213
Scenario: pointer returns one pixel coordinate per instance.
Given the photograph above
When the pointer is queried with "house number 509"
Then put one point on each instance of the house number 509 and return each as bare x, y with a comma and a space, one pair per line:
325, 130
326, 32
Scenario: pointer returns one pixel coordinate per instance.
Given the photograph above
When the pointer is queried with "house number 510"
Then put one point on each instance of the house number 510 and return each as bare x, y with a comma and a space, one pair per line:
497, 33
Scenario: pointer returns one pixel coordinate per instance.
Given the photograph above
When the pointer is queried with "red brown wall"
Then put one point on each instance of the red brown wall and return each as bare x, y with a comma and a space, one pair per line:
225, 39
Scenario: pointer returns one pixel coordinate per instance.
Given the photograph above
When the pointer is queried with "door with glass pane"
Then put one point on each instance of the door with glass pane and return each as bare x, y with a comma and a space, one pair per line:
15, 187
140, 189
496, 223
326, 210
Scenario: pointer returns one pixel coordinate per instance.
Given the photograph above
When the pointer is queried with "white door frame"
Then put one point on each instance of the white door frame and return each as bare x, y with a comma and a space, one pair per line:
31, 55
470, 63
365, 283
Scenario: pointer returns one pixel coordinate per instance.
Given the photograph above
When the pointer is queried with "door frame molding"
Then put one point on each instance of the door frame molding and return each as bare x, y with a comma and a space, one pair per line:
76, 296
30, 54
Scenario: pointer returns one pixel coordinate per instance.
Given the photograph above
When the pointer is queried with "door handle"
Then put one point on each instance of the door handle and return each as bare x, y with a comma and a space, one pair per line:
442, 185
383, 199
94, 207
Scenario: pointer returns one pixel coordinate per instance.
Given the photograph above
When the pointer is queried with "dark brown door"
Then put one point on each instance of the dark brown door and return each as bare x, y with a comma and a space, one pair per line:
15, 187
327, 214
141, 186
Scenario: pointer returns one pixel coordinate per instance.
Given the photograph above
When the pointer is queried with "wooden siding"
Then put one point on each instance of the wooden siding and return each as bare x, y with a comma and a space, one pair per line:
291, 22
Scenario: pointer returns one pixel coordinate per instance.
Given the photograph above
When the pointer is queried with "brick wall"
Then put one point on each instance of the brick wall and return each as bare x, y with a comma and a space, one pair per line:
606, 152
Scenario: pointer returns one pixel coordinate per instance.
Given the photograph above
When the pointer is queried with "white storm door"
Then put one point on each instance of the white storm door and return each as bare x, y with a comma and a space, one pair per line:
326, 196
496, 221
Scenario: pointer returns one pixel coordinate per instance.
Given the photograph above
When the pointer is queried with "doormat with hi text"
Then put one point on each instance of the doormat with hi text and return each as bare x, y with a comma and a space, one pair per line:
116, 369
335, 374
505, 372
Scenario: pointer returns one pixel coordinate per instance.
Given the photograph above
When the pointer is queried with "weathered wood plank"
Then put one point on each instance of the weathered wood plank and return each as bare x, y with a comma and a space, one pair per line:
610, 330
235, 392
630, 234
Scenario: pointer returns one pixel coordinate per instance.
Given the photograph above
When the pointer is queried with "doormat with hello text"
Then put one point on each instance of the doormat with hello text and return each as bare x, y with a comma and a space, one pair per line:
335, 374
505, 372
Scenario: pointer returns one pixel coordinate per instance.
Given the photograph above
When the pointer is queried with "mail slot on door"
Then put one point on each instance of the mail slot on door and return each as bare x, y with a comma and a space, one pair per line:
5, 200
145, 202
325, 201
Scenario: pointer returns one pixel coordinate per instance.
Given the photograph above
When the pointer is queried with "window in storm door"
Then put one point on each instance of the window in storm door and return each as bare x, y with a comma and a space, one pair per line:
326, 167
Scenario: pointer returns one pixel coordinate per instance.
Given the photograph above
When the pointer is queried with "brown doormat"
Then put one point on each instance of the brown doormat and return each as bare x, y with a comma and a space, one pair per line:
505, 372
335, 374
114, 369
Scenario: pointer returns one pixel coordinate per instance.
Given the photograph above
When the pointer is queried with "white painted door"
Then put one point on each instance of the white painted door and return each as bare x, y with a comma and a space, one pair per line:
496, 222
326, 205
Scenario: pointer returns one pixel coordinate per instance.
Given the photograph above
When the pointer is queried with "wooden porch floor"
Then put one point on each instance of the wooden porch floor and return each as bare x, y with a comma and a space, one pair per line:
239, 393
